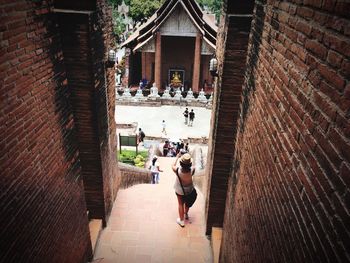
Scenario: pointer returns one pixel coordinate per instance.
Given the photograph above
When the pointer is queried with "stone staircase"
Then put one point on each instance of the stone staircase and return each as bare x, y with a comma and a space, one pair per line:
142, 226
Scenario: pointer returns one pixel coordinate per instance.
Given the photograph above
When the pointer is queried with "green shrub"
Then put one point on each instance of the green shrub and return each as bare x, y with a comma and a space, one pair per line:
130, 157
140, 164
140, 157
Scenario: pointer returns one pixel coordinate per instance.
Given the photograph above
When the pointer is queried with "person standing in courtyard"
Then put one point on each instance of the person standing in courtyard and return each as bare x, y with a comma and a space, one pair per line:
163, 127
187, 148
141, 135
183, 185
186, 115
190, 123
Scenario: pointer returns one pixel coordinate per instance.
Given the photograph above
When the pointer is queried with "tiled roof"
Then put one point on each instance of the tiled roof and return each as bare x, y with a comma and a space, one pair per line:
201, 20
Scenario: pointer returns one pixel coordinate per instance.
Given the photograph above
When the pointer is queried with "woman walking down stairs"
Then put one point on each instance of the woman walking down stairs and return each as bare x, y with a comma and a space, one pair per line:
142, 226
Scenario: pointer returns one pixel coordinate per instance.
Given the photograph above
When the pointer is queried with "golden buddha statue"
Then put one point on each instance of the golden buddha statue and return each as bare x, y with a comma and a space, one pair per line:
176, 79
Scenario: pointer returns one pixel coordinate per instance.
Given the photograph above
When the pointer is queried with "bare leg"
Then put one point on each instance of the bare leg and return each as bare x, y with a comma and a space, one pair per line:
186, 211
180, 207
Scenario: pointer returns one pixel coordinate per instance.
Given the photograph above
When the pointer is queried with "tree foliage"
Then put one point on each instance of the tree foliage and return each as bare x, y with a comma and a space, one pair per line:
140, 10
214, 6
119, 26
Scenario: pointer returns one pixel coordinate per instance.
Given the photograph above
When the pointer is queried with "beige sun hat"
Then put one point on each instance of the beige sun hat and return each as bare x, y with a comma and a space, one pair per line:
186, 159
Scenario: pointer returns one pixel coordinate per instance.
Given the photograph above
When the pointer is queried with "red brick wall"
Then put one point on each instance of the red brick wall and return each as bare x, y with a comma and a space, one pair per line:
106, 105
288, 197
42, 204
86, 40
76, 42
231, 55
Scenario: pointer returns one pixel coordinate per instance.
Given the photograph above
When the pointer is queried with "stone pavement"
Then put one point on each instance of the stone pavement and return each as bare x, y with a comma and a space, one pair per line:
143, 228
150, 119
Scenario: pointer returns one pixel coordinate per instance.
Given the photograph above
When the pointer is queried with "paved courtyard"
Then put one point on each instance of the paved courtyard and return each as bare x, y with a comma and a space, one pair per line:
150, 120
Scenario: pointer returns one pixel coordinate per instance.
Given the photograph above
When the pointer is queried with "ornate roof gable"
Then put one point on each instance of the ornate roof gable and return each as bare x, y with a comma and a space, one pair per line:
192, 20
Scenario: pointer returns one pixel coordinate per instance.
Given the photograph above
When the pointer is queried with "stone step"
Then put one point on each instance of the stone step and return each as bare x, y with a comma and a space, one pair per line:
216, 235
95, 226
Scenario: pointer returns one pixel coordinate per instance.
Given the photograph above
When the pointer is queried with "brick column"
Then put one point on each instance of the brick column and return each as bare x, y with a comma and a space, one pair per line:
197, 63
158, 61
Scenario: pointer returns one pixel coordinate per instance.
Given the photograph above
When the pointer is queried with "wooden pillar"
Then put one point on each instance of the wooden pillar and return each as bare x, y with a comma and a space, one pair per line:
126, 79
158, 61
143, 64
197, 63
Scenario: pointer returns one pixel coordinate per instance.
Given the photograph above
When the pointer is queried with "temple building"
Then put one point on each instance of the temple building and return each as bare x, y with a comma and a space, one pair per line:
172, 48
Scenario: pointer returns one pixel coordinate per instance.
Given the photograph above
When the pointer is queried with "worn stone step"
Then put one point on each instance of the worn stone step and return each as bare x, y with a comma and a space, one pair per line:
216, 235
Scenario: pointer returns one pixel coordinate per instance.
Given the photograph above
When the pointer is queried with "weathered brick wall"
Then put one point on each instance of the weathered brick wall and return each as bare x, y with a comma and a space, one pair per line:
42, 204
75, 31
105, 86
232, 46
132, 175
87, 38
289, 198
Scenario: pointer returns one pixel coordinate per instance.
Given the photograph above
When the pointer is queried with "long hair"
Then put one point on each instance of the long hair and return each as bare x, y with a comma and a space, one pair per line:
154, 161
186, 167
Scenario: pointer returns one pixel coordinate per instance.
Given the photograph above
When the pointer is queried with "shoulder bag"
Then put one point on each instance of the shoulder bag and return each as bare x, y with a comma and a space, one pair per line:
190, 198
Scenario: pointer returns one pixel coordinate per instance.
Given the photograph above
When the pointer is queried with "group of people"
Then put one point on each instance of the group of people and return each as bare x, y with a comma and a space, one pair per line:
171, 149
184, 189
189, 117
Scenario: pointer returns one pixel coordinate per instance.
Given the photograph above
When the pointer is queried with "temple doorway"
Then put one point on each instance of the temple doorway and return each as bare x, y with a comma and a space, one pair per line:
178, 54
